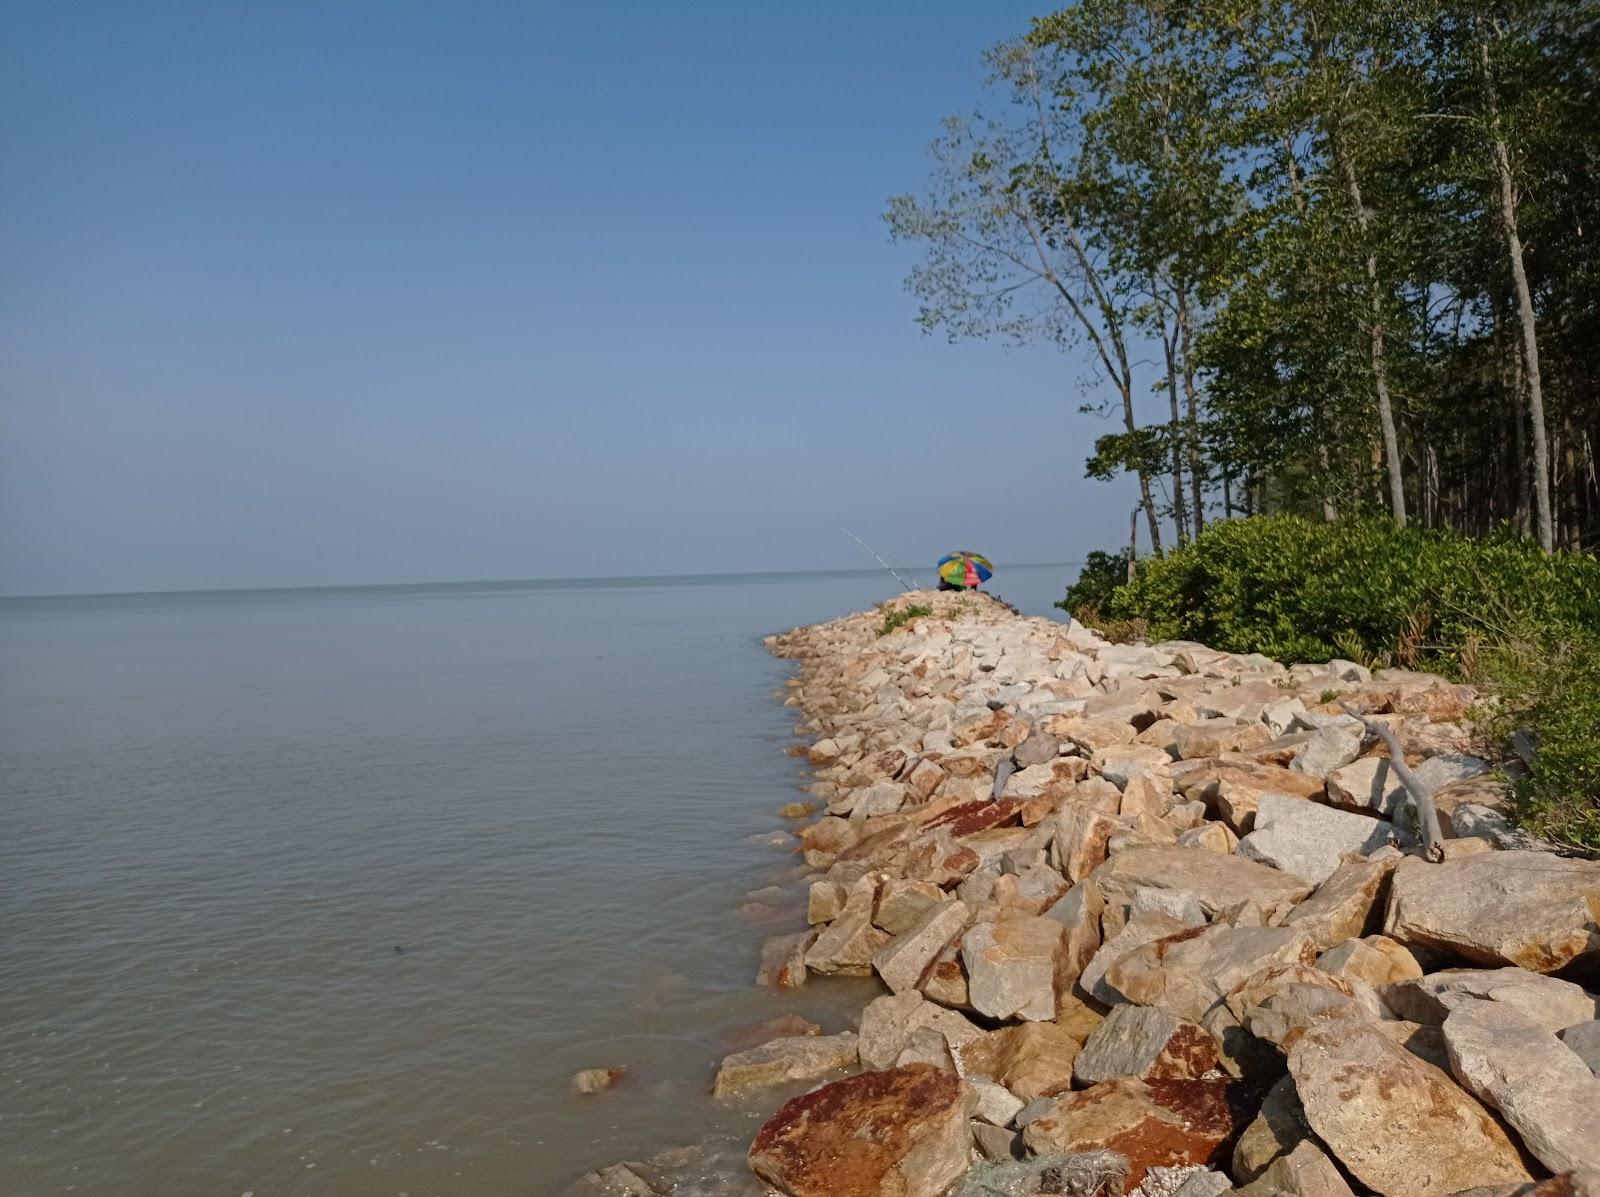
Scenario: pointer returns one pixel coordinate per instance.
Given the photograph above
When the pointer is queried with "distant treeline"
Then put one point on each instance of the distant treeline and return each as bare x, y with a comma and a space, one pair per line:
1325, 256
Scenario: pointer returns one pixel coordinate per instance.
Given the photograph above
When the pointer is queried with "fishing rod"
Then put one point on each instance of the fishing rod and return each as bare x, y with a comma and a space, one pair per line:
904, 584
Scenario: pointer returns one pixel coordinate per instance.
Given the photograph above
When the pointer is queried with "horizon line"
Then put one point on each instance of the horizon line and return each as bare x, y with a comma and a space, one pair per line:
505, 582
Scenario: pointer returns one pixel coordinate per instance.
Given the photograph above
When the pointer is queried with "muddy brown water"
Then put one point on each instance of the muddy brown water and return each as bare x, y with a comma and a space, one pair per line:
329, 892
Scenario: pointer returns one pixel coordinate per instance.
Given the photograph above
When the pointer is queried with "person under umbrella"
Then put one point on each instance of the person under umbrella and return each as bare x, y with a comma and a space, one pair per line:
963, 570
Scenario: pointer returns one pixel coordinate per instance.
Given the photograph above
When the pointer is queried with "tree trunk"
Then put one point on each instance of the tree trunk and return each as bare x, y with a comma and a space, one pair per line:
1519, 276
1133, 541
1380, 367
1180, 516
1192, 405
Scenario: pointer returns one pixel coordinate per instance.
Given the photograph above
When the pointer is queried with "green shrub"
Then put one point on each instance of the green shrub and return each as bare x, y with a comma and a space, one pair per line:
1360, 588
902, 616
1096, 585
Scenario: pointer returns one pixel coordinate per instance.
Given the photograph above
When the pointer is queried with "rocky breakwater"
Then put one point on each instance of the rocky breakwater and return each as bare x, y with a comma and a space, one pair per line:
1153, 921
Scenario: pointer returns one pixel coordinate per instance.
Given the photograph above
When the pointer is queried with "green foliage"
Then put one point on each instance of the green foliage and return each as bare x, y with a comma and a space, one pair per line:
1359, 588
1547, 683
1097, 583
901, 616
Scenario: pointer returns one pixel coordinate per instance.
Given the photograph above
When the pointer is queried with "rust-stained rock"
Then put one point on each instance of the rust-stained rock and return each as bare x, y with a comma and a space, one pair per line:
1530, 909
1081, 836
897, 1133
972, 817
783, 960
888, 1023
1189, 972
1146, 1043
1375, 959
1149, 1123
1013, 967
1398, 1125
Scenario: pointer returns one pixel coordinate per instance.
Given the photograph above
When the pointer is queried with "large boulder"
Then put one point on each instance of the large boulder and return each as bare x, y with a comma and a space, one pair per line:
1134, 934
1309, 839
1146, 1043
1149, 1123
1190, 972
1539, 1084
1214, 880
897, 1133
1398, 1125
1550, 1002
1528, 909
1031, 1059
889, 1022
797, 1058
905, 961
1375, 959
1012, 967
1348, 903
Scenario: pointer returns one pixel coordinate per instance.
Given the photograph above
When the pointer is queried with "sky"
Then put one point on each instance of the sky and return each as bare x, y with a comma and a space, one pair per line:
316, 293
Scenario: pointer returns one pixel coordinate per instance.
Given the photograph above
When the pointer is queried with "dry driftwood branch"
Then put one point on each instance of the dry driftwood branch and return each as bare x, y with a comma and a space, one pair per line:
1427, 813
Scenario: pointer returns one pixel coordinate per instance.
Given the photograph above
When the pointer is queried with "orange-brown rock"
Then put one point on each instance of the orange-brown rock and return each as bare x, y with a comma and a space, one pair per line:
1032, 1059
1150, 1123
898, 1133
972, 817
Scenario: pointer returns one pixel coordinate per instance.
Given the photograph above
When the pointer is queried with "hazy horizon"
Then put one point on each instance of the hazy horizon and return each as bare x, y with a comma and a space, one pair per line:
299, 297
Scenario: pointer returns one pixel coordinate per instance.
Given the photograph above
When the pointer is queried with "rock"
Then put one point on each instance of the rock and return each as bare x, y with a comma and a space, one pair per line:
1034, 891
783, 960
1188, 1182
1276, 1129
1088, 734
800, 1058
829, 834
1539, 1084
901, 904
923, 780
1191, 971
888, 1023
1081, 836
898, 1133
1375, 959
926, 1046
621, 1179
1079, 914
1370, 784
1083, 1174
796, 810
1173, 903
1040, 748
1139, 930
773, 1028
1214, 737
969, 818
1012, 967
1213, 837
824, 901
593, 1080
1308, 839
848, 944
1118, 763
1326, 750
1568, 1184
1214, 880
1548, 1001
905, 960
1400, 1126
1150, 1044
996, 1104
1584, 1038
1523, 908
1150, 1124
994, 1143
1305, 1171
1347, 904
1032, 1059
1146, 794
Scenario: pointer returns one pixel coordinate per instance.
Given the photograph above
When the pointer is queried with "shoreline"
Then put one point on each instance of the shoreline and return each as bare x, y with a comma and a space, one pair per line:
1131, 909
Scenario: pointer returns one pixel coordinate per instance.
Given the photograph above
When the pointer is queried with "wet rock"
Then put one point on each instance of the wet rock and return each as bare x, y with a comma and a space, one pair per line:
1539, 1084
1147, 1043
828, 834
622, 1180
1347, 904
783, 960
800, 1058
1150, 1124
593, 1080
796, 810
825, 901
1399, 1126
1529, 909
1549, 1002
1191, 971
888, 1023
786, 1026
1012, 967
1375, 959
905, 960
1308, 839
1032, 1059
897, 1133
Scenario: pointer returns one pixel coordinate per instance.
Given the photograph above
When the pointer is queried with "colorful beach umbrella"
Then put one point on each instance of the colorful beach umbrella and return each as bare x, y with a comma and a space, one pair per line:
968, 570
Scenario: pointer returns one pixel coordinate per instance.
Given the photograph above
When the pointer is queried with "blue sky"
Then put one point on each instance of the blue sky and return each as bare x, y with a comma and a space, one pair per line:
301, 293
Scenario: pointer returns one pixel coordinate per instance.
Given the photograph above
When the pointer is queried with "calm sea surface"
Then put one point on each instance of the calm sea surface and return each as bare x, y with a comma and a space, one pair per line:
329, 891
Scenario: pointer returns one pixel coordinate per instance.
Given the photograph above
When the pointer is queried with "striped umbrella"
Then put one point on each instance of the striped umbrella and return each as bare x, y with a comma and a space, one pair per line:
967, 570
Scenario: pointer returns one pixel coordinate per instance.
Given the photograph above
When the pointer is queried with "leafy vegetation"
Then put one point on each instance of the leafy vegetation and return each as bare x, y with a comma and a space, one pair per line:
1321, 257
1102, 574
901, 616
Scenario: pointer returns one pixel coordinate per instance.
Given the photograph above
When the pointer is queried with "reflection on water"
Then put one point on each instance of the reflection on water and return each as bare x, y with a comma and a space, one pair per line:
329, 892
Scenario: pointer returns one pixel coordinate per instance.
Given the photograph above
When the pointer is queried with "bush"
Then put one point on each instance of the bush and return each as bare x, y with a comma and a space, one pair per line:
901, 616
1359, 588
1096, 585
